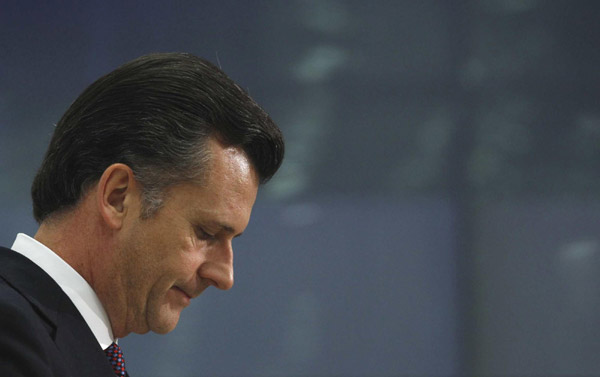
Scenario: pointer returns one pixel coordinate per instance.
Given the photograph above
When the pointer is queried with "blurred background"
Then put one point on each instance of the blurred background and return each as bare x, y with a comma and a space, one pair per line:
438, 210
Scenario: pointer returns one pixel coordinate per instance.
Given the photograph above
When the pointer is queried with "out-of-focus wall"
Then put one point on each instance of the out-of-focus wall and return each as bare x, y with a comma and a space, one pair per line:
437, 212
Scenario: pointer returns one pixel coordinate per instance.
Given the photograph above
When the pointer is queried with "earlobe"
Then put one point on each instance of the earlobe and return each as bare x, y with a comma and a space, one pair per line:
114, 193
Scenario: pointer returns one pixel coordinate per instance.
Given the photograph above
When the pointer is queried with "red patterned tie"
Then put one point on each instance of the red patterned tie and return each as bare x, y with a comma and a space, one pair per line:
115, 356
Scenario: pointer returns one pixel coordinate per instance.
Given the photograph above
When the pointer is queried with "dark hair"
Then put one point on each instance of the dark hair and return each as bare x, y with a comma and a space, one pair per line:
154, 114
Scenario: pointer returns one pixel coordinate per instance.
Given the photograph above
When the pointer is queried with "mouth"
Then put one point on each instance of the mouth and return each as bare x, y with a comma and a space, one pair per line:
186, 295
190, 291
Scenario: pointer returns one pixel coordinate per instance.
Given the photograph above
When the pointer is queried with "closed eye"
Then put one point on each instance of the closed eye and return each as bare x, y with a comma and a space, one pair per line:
204, 235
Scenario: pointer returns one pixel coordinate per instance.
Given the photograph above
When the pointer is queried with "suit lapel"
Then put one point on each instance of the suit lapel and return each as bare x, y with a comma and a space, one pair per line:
73, 337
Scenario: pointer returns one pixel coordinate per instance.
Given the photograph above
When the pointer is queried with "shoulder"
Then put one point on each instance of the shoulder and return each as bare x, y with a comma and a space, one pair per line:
26, 346
16, 308
41, 332
29, 300
18, 315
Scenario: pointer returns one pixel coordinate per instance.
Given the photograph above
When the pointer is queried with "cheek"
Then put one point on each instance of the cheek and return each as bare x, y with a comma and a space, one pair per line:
162, 312
171, 263
163, 255
154, 247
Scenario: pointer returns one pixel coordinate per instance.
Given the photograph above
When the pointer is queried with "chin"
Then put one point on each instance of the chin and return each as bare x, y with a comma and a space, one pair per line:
164, 325
163, 330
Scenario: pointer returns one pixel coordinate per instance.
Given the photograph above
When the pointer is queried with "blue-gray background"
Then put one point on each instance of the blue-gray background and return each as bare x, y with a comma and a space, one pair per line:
438, 210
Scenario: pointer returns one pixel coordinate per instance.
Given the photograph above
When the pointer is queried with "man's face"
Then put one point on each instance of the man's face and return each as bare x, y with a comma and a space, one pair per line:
186, 246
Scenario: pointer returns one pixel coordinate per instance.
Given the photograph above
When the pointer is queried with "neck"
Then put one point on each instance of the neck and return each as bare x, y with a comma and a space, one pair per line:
64, 235
81, 240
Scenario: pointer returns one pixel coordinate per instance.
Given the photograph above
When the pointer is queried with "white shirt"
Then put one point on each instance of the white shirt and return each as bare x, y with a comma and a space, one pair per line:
74, 285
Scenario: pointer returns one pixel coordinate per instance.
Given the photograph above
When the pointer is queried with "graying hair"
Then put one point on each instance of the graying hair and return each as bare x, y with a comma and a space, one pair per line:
156, 180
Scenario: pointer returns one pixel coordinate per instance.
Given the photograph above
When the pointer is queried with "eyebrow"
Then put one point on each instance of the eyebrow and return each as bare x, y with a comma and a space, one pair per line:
225, 227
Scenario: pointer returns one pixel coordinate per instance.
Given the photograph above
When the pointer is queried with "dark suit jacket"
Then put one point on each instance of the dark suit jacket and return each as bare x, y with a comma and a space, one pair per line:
41, 331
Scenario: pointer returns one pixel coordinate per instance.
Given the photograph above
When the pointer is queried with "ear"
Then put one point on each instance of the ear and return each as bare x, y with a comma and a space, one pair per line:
117, 191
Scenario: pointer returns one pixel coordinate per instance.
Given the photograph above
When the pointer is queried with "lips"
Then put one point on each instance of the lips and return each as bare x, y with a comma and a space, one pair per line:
194, 290
189, 296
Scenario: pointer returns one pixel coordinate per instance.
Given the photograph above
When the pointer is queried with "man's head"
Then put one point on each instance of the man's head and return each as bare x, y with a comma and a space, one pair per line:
183, 248
149, 176
154, 114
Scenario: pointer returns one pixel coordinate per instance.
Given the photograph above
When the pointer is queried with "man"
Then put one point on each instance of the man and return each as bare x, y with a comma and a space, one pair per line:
149, 176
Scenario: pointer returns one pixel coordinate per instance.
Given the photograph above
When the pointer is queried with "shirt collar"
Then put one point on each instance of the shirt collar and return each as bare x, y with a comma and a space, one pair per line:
74, 285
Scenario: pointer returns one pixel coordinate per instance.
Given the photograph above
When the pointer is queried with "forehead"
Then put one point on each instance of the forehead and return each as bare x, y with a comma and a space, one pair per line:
230, 163
226, 193
229, 168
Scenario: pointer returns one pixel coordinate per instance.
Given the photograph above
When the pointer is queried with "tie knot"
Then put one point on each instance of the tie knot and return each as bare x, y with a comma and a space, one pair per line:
115, 357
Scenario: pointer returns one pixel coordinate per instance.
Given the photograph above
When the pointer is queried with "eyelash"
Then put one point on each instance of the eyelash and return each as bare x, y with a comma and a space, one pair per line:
204, 235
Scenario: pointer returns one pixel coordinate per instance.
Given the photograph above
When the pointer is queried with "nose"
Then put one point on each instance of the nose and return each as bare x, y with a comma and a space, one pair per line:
218, 267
